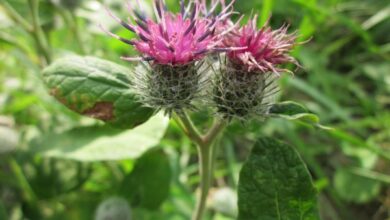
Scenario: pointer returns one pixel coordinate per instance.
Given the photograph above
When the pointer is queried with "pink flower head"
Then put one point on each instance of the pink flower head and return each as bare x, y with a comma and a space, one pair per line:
175, 39
265, 49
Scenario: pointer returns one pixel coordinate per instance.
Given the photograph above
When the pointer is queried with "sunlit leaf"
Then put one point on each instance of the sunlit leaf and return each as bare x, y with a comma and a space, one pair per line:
97, 143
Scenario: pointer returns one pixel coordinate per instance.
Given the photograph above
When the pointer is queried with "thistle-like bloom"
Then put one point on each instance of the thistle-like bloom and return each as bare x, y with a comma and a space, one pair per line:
172, 48
246, 84
265, 49
176, 39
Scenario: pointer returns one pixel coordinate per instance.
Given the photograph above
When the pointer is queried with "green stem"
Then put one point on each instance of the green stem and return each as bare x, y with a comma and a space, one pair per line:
217, 127
205, 181
14, 15
23, 183
37, 32
34, 30
76, 31
206, 151
190, 130
213, 156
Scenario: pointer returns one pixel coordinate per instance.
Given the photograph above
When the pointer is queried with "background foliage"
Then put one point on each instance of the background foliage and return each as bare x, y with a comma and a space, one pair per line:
345, 80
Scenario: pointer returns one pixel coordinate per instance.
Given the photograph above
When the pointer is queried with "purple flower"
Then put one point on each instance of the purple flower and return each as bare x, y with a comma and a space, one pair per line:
265, 49
176, 39
246, 84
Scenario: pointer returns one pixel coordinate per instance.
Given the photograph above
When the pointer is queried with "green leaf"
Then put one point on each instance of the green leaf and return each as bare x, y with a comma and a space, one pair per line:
103, 143
288, 108
355, 188
148, 184
295, 112
96, 88
275, 184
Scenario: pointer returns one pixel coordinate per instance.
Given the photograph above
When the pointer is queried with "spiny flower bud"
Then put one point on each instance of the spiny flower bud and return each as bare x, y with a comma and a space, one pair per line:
240, 94
169, 88
172, 48
246, 84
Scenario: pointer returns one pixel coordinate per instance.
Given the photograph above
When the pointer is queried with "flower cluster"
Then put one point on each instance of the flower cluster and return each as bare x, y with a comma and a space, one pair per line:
175, 39
174, 68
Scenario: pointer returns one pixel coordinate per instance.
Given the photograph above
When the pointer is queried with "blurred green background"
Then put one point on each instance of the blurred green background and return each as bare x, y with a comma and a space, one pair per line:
345, 80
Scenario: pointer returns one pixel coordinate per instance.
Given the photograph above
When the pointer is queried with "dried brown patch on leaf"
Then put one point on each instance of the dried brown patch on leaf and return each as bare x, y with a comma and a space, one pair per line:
101, 110
57, 94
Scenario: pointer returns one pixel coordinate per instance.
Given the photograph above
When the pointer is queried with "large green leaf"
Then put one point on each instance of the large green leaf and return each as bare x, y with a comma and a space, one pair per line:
96, 88
275, 184
147, 186
103, 143
295, 112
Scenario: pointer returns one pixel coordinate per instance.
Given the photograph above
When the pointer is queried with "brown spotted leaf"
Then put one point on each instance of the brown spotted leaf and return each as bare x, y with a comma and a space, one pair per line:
96, 88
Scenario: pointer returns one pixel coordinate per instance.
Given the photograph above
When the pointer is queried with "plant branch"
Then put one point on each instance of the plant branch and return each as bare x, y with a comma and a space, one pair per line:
206, 153
190, 129
214, 151
217, 127
14, 15
205, 181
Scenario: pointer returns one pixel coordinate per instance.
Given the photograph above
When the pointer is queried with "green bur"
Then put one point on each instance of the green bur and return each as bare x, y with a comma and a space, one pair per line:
240, 94
169, 88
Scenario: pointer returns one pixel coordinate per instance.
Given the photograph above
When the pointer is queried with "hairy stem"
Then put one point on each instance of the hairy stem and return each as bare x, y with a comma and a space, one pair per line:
217, 127
206, 151
205, 181
190, 129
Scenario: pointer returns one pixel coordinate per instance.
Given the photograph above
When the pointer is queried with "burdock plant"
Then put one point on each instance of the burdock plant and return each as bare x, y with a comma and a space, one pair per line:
172, 49
175, 72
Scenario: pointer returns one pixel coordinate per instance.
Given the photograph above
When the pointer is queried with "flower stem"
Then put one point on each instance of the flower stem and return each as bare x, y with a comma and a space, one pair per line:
205, 181
190, 129
217, 127
205, 148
